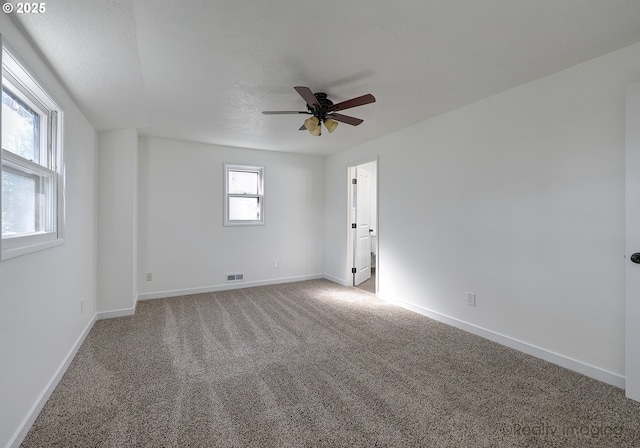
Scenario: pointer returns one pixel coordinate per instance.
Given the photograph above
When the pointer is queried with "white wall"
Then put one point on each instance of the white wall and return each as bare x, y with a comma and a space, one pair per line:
182, 241
518, 198
117, 222
40, 293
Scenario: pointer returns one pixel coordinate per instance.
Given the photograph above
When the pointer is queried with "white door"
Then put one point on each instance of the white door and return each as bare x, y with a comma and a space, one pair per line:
632, 243
362, 255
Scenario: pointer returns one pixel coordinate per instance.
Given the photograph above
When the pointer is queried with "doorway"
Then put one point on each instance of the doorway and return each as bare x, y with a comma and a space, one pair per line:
363, 219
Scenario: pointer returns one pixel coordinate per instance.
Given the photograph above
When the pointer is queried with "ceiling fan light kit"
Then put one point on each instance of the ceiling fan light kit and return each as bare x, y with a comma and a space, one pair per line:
312, 123
330, 124
316, 132
324, 111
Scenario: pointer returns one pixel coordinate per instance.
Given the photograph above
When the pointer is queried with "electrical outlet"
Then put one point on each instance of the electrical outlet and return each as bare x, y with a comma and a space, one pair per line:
149, 276
471, 299
276, 265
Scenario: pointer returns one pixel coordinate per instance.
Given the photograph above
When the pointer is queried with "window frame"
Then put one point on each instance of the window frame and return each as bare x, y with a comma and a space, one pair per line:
260, 170
21, 83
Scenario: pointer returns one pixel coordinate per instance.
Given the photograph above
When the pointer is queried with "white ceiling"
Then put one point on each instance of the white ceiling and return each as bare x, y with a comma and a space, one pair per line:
204, 70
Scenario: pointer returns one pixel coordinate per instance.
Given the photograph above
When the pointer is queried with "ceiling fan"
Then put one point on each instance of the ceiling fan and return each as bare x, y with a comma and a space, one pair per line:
324, 111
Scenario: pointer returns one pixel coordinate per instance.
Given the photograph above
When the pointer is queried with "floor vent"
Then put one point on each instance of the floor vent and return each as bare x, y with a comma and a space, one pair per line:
235, 277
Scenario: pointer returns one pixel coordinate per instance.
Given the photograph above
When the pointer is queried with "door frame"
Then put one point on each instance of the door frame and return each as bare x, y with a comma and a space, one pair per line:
632, 241
350, 238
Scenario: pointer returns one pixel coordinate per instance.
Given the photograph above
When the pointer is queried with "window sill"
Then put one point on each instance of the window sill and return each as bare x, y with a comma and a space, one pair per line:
24, 250
243, 223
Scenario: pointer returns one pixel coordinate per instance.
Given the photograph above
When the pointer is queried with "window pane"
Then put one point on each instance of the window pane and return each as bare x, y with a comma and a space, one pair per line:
20, 126
25, 200
244, 209
243, 182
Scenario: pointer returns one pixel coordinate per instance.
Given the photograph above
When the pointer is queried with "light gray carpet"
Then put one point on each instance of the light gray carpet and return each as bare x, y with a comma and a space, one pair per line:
315, 364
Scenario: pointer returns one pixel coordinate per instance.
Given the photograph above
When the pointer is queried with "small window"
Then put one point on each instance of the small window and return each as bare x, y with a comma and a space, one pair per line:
31, 163
243, 195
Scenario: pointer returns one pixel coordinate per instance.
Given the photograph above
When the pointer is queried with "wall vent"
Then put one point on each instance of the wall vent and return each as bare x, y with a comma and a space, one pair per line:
235, 277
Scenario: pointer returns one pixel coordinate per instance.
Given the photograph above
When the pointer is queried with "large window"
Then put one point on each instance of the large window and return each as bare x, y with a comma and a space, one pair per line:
31, 161
243, 195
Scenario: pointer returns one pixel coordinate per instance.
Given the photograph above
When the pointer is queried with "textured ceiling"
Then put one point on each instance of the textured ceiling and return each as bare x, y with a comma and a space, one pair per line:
204, 70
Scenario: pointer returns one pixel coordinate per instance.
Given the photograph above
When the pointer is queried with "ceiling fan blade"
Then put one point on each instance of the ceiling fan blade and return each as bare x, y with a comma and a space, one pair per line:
308, 96
354, 102
282, 112
346, 119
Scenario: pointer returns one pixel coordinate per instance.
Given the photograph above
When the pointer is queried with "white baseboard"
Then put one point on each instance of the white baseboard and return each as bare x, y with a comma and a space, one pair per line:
28, 421
116, 313
225, 287
339, 281
564, 361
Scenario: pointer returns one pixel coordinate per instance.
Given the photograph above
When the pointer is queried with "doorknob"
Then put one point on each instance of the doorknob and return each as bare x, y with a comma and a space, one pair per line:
636, 258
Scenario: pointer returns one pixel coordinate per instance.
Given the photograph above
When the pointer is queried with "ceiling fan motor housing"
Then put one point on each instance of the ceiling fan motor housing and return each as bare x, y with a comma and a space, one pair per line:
325, 104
